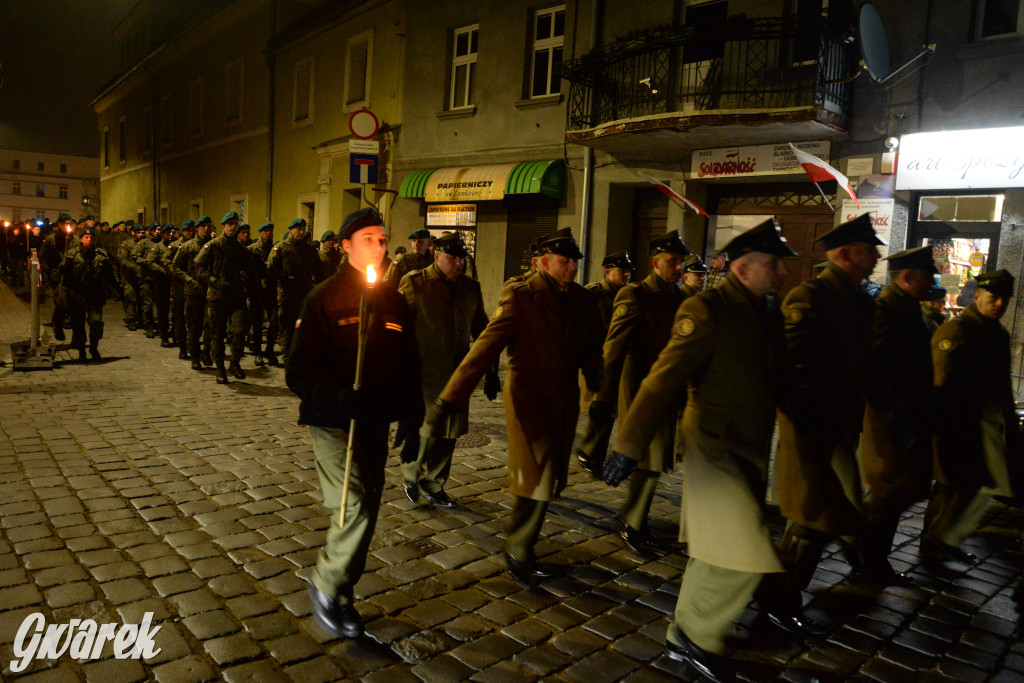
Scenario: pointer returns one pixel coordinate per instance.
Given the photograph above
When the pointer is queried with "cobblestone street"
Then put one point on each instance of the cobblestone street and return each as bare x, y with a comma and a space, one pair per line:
137, 485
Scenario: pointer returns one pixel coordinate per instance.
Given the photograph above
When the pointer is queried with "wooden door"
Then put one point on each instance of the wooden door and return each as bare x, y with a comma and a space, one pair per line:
800, 232
650, 221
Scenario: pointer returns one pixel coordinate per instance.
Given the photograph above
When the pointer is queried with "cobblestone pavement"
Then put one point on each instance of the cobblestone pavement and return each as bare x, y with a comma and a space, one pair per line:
136, 485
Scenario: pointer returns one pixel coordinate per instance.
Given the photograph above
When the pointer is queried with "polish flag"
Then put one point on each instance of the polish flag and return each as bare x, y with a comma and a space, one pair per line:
820, 172
672, 194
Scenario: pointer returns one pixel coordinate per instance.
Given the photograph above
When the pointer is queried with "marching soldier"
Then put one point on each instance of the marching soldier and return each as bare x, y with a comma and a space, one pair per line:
265, 308
551, 327
618, 269
641, 327
225, 264
294, 265
694, 275
130, 275
188, 231
155, 260
17, 252
828, 336
896, 448
446, 309
330, 256
976, 422
934, 308
56, 246
88, 278
147, 319
328, 330
417, 258
725, 352
195, 294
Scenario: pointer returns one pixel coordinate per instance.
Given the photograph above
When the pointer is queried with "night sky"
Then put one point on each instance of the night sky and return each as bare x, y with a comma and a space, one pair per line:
56, 56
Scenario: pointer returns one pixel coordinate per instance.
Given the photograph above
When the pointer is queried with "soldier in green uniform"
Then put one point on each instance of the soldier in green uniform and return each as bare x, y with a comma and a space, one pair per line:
446, 310
188, 231
294, 265
725, 352
417, 258
551, 327
226, 264
88, 278
618, 269
130, 276
934, 308
976, 422
321, 371
17, 252
155, 260
56, 246
896, 446
694, 275
641, 326
195, 294
265, 308
147, 319
330, 256
828, 337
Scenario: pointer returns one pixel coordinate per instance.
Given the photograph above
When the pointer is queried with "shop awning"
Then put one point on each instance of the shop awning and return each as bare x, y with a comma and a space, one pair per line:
481, 183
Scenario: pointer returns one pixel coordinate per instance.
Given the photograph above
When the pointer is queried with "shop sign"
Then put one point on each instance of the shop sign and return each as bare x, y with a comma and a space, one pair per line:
977, 260
881, 211
961, 159
451, 215
756, 160
468, 183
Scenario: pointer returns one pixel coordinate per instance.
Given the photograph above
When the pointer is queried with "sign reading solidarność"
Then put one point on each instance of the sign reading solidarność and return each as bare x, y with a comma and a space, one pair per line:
757, 160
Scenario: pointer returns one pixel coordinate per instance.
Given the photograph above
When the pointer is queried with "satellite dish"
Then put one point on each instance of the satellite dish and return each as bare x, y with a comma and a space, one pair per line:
874, 45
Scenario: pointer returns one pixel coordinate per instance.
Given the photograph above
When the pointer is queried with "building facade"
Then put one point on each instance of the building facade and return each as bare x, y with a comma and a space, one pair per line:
42, 186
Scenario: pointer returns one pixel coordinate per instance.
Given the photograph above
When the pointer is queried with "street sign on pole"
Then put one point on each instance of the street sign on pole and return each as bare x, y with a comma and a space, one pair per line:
363, 124
362, 168
364, 147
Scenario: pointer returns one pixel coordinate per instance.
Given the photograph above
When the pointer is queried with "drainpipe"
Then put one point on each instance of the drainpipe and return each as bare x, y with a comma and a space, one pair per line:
588, 159
271, 93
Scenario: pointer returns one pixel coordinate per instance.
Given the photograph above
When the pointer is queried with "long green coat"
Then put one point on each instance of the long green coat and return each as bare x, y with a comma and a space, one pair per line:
974, 397
605, 292
828, 322
445, 316
641, 327
896, 446
726, 349
548, 344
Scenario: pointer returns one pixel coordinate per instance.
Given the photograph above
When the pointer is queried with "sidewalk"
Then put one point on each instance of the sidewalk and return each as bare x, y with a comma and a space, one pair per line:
137, 485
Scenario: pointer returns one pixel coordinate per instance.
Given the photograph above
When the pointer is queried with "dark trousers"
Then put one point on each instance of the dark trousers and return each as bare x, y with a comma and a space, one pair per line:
195, 324
162, 306
178, 316
146, 319
80, 316
17, 272
288, 312
227, 321
524, 527
131, 300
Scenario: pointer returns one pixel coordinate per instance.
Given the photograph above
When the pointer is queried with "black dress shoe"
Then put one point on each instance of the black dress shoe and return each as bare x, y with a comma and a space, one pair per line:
412, 490
95, 353
236, 370
272, 359
530, 573
258, 361
82, 357
592, 465
882, 576
709, 665
182, 354
342, 621
222, 376
439, 499
196, 365
796, 625
937, 550
58, 333
635, 540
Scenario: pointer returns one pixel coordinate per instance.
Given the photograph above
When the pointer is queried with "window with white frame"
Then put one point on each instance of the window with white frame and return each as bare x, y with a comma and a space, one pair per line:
122, 140
358, 58
62, 191
233, 78
16, 187
195, 107
166, 120
548, 38
998, 18
464, 46
302, 98
16, 214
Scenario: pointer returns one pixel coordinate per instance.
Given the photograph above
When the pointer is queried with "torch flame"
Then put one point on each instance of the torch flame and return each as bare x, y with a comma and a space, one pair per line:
371, 275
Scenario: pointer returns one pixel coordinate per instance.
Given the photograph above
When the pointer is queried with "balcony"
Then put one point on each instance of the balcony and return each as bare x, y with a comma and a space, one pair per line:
667, 91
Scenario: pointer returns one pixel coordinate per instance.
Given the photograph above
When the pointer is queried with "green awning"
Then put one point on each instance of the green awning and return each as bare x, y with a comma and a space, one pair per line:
486, 182
537, 177
415, 184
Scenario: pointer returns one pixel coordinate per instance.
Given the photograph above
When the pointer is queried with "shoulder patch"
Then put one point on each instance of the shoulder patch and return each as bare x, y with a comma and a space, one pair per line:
945, 345
621, 310
497, 312
685, 327
794, 316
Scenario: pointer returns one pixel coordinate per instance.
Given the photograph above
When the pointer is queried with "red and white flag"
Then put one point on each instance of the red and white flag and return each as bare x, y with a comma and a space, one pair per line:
820, 172
672, 194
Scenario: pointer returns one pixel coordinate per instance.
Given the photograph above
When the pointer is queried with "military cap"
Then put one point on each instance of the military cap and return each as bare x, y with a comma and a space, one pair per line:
105, 223
187, 224
765, 238
265, 226
244, 227
131, 224
860, 229
88, 231
670, 242
936, 293
357, 220
229, 216
65, 216
999, 282
204, 220
694, 264
559, 242
619, 259
327, 236
152, 225
315, 244
420, 234
297, 223
166, 227
916, 259
90, 217
452, 245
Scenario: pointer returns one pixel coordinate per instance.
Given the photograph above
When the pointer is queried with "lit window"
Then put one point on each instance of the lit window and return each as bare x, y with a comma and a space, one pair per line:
548, 37
464, 67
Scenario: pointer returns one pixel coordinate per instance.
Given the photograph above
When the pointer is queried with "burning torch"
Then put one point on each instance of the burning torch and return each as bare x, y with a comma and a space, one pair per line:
364, 331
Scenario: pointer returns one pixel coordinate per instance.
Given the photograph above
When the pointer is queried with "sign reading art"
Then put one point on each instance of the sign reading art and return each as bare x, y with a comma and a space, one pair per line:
451, 215
744, 162
961, 159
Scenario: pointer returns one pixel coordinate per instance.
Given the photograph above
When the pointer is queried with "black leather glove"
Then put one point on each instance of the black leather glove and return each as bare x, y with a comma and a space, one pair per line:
492, 383
600, 411
594, 379
617, 468
439, 410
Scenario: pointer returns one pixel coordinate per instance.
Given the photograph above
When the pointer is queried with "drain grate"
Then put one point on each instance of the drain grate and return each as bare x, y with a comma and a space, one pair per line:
472, 440
424, 546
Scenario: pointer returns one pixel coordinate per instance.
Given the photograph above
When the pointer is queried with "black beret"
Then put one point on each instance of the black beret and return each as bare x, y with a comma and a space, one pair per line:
357, 220
88, 231
916, 259
559, 242
860, 229
765, 238
619, 259
452, 244
999, 282
936, 293
694, 264
420, 234
670, 242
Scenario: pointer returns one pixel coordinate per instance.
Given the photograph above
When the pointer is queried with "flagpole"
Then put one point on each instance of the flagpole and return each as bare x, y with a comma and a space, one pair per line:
832, 208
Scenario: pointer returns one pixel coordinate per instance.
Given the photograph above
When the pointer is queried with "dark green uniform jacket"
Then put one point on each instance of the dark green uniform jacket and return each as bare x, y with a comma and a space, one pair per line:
294, 266
88, 277
329, 260
185, 267
405, 264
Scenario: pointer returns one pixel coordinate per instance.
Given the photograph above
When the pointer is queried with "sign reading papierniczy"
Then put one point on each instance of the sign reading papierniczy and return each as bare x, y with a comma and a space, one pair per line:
757, 160
469, 183
961, 159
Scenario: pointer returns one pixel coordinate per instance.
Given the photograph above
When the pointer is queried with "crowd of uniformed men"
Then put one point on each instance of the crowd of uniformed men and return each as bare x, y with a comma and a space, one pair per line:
879, 402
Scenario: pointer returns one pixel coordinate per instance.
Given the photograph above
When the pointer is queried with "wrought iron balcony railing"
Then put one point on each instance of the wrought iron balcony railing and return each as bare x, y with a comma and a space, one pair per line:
739, 66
